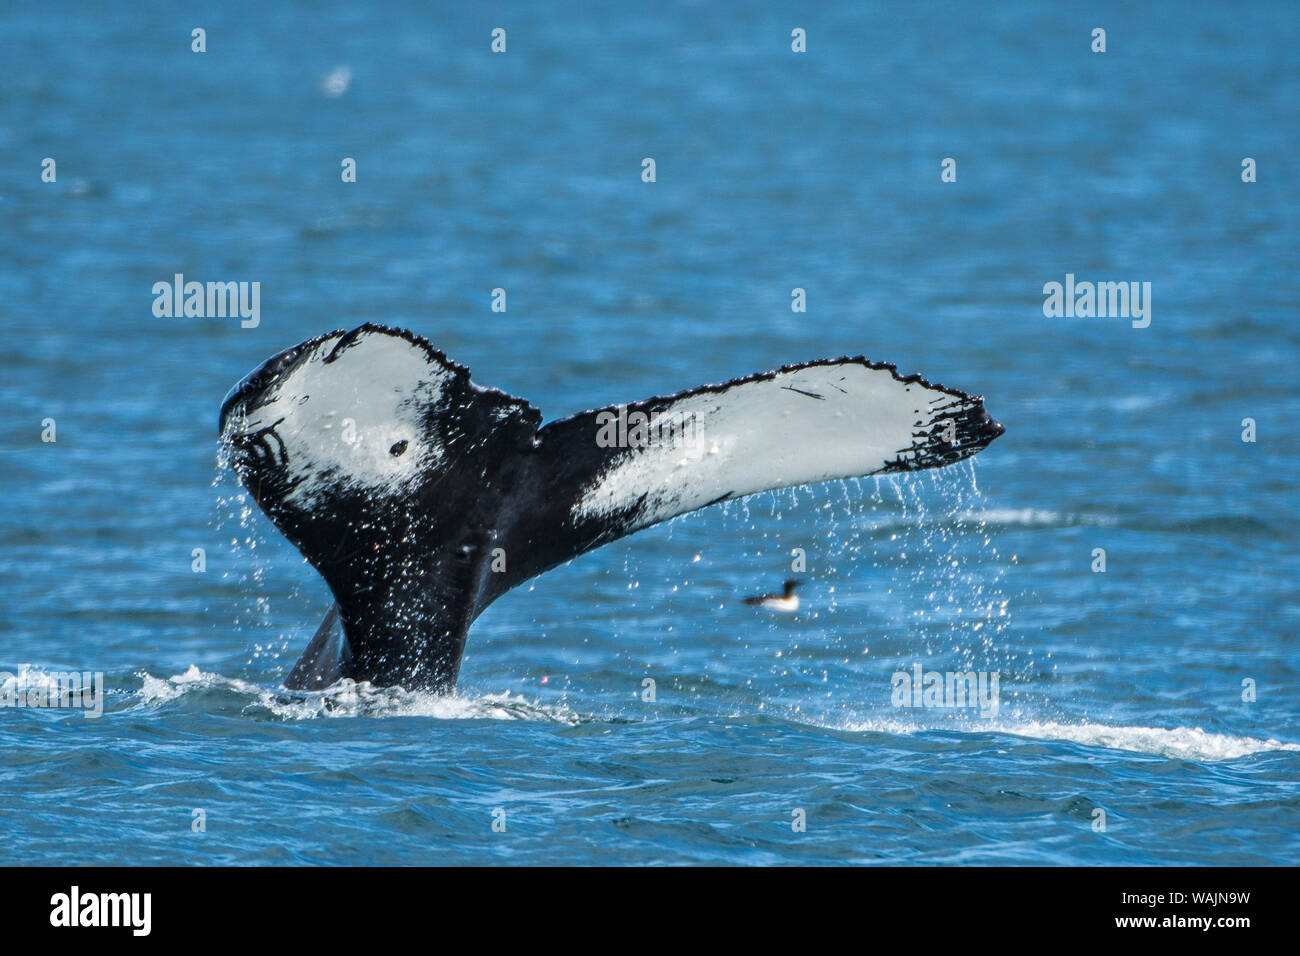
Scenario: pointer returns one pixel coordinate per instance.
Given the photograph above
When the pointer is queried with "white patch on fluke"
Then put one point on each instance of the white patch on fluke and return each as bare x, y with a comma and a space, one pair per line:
824, 422
340, 420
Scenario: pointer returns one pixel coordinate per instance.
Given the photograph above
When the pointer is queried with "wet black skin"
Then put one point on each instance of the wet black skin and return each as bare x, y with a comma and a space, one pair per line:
410, 573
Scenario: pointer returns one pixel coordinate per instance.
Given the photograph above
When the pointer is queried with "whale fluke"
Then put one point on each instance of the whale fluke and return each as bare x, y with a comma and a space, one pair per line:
326, 658
421, 497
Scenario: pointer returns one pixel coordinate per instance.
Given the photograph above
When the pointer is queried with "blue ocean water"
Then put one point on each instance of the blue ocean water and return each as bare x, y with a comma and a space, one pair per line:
1120, 692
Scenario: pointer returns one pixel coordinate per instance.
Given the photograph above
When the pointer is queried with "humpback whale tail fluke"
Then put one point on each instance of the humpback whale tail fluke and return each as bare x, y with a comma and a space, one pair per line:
421, 497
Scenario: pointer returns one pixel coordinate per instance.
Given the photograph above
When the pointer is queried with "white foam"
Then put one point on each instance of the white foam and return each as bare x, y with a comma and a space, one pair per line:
337, 82
1186, 743
1016, 516
29, 677
351, 699
1032, 518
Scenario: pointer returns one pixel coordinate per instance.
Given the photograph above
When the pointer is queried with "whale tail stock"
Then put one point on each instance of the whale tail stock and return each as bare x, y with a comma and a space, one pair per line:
421, 497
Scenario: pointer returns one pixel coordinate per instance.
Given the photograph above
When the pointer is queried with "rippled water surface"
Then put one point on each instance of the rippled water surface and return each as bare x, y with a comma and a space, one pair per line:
1120, 692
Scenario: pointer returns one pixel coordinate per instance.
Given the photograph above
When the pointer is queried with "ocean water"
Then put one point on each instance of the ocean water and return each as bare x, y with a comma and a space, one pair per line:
1146, 715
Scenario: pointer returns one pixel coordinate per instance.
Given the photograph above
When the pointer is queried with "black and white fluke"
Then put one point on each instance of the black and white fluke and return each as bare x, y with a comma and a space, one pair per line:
422, 497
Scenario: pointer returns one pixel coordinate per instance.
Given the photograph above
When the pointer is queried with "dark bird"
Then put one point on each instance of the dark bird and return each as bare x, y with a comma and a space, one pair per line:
786, 601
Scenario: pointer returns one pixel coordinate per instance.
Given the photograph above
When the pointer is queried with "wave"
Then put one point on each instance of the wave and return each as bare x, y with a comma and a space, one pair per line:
212, 692
1185, 743
1217, 525
347, 698
1029, 517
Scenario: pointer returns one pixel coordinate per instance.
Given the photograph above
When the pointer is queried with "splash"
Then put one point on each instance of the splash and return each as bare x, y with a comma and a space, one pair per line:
256, 575
217, 693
